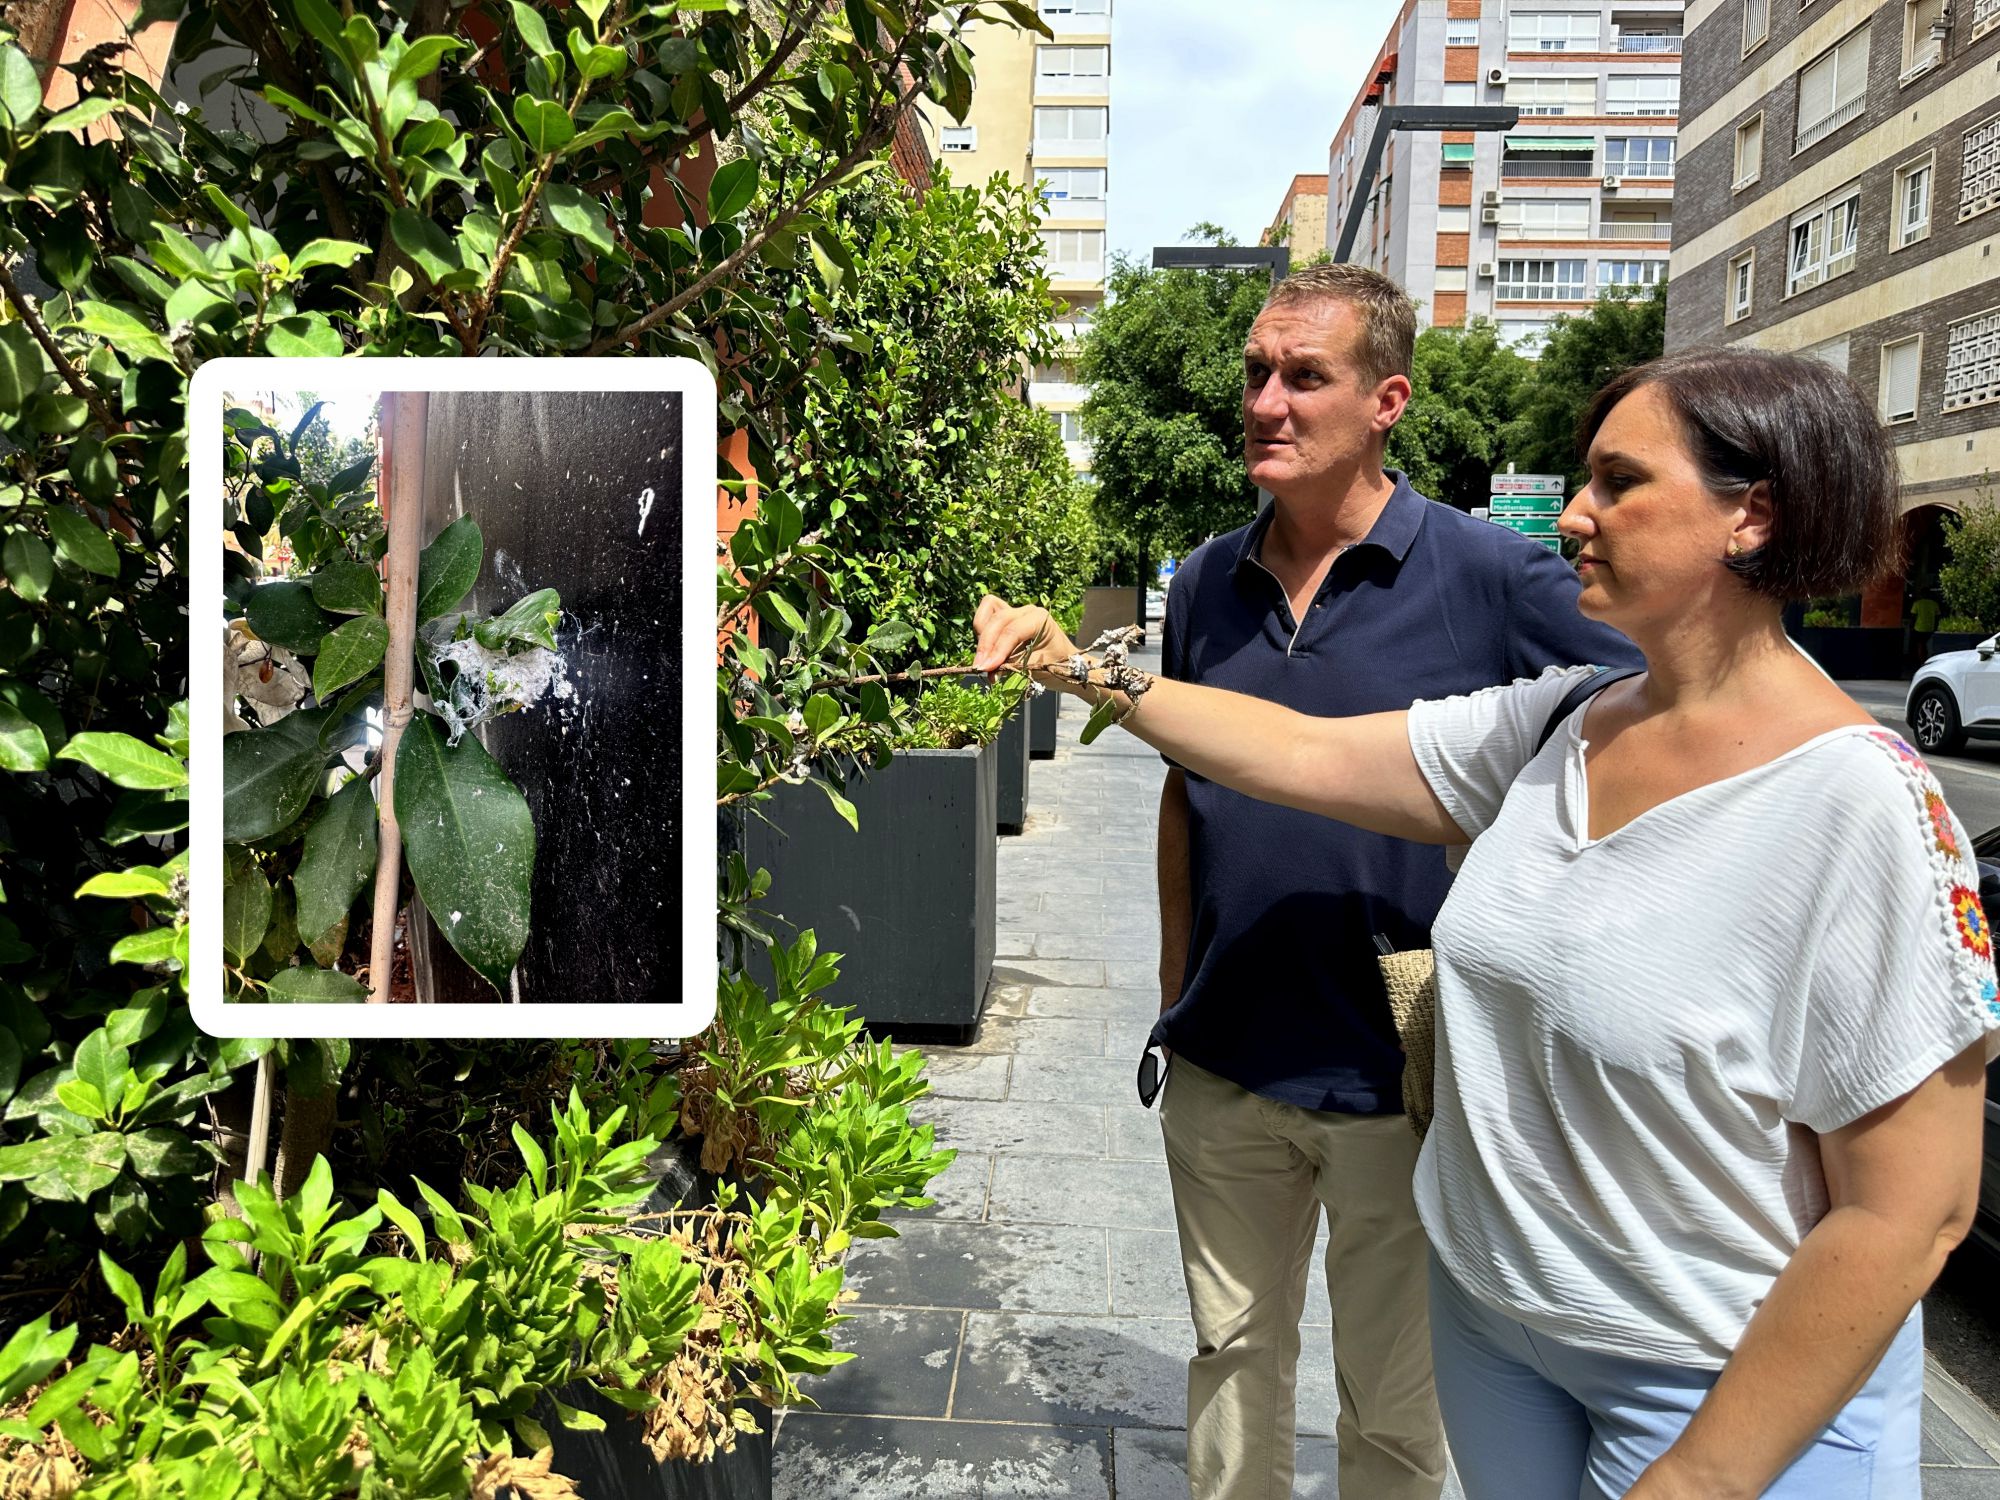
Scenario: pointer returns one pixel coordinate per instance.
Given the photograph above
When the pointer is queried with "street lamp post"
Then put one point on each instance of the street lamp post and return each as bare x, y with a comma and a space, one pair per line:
1394, 117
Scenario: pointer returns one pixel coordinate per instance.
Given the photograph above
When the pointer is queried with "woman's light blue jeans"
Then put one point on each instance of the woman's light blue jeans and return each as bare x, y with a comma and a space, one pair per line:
1532, 1419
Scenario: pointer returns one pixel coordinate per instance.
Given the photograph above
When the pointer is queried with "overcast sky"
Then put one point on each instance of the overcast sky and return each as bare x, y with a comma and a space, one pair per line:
1216, 104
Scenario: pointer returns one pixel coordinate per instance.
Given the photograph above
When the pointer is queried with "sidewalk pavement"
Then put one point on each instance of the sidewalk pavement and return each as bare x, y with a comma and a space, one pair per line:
1026, 1338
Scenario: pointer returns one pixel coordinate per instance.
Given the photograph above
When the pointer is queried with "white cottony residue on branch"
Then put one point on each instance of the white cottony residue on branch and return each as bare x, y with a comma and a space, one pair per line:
492, 682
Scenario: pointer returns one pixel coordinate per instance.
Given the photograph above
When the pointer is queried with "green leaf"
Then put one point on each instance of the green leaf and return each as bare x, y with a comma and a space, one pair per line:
533, 30
840, 804
530, 620
470, 841
23, 747
347, 588
323, 22
306, 985
163, 1151
306, 336
285, 614
30, 1354
423, 56
139, 882
82, 541
340, 853
594, 60
341, 253
85, 112
547, 126
246, 908
122, 331
1100, 720
125, 761
20, 363
352, 477
20, 88
154, 946
735, 184
423, 239
448, 568
574, 212
30, 566
268, 776
349, 654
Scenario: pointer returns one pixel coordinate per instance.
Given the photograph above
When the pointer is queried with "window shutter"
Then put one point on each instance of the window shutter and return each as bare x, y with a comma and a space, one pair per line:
1851, 77
1899, 379
1816, 92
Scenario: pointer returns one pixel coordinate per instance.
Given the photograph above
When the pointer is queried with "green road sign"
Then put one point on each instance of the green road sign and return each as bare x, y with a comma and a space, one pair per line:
1524, 505
1528, 525
1527, 484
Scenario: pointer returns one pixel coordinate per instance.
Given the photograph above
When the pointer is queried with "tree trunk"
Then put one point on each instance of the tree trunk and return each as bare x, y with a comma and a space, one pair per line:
306, 1132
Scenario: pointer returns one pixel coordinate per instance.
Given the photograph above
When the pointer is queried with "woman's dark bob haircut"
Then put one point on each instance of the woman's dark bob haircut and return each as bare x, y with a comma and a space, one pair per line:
1803, 428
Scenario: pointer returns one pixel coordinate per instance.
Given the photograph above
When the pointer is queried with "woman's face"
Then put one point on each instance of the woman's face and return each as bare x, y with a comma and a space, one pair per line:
1653, 538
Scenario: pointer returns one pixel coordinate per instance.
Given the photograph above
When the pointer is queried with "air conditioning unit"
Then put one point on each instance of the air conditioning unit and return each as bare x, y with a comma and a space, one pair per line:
1486, 270
1611, 184
1490, 198
1489, 216
1496, 76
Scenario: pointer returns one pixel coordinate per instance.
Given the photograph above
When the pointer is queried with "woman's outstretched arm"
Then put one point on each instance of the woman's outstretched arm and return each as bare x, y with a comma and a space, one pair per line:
1359, 770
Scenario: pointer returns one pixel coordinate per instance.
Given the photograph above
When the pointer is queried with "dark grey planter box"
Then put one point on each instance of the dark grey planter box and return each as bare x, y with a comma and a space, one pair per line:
616, 1464
1043, 712
908, 901
1012, 747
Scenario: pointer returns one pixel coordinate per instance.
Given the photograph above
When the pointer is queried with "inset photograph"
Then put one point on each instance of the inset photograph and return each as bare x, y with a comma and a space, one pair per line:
451, 719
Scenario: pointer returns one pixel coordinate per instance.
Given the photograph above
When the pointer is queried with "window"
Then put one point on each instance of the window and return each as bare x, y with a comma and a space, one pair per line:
1972, 361
1979, 176
1900, 363
1985, 16
1749, 151
1461, 33
960, 138
1639, 156
1451, 278
1545, 219
1833, 88
1742, 286
1457, 154
1823, 240
1553, 96
1075, 7
1541, 281
1756, 23
1053, 374
1642, 94
1072, 62
1832, 353
1071, 424
1631, 272
1074, 252
1461, 93
1910, 218
1921, 50
1064, 184
1552, 31
1524, 335
1454, 219
1060, 124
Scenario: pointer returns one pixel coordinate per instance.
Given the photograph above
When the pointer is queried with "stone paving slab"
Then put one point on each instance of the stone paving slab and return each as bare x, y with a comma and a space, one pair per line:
1137, 1005
956, 1074
1063, 1190
887, 1458
959, 1191
1057, 1268
1151, 1464
1044, 971
985, 1125
1061, 1078
904, 1361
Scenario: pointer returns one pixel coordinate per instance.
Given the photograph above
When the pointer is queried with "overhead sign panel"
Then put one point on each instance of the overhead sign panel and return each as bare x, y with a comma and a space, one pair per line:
1528, 484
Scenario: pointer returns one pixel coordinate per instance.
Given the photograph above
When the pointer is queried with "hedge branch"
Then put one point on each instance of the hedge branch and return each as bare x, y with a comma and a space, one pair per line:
31, 315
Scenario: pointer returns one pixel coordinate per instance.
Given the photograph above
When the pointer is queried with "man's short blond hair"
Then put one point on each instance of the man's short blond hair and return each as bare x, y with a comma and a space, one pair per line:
1388, 340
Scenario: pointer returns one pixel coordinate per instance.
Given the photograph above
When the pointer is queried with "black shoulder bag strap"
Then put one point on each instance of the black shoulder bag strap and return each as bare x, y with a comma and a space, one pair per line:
1581, 694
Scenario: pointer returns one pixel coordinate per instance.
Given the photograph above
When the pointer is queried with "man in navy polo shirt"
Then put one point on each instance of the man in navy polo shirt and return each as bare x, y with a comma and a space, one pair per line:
1349, 594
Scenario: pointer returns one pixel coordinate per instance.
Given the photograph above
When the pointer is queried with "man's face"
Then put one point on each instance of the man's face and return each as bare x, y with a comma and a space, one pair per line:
1308, 411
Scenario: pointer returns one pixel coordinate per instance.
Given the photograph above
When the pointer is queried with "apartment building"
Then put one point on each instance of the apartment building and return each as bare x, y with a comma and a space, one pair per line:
1523, 225
1301, 219
1840, 171
1041, 112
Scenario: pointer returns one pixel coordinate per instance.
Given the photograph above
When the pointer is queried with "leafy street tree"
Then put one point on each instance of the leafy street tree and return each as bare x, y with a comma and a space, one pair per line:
1581, 354
1970, 580
1164, 363
1465, 387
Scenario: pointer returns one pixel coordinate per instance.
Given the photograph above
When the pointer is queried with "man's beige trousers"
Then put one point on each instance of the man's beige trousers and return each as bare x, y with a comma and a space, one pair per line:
1250, 1176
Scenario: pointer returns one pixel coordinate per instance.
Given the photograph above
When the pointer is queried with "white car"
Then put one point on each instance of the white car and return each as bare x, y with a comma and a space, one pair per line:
1954, 695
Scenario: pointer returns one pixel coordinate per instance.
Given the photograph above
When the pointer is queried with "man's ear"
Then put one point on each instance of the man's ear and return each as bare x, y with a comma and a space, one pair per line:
1392, 397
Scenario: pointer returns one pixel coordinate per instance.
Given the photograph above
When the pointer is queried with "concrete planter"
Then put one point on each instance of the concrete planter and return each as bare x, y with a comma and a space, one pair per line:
909, 899
1854, 651
1107, 609
1012, 752
1043, 712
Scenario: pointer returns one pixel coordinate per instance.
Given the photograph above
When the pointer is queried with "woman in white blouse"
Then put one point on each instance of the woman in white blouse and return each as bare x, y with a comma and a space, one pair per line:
1715, 991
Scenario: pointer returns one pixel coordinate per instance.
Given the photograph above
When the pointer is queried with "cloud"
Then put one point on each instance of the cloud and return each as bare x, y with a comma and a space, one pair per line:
1214, 108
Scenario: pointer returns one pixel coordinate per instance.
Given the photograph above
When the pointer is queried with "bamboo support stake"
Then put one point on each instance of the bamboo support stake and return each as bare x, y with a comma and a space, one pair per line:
258, 1154
403, 492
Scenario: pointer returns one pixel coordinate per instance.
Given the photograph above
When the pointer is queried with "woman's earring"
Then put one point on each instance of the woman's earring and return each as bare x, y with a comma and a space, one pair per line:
1735, 548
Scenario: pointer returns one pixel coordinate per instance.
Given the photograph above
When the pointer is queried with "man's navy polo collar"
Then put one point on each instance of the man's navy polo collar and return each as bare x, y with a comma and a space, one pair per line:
1393, 532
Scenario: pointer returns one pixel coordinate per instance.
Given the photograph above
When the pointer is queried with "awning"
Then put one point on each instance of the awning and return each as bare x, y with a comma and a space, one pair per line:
1454, 152
1551, 143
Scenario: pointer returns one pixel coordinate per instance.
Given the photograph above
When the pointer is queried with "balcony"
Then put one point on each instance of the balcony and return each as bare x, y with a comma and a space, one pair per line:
1085, 150
1636, 229
1073, 210
1051, 84
1542, 164
1650, 43
1822, 128
1078, 452
1057, 392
